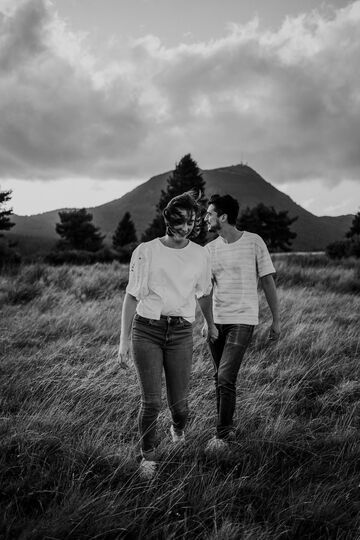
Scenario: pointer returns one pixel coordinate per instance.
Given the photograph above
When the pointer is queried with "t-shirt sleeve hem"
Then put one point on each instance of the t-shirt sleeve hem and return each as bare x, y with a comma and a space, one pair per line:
267, 272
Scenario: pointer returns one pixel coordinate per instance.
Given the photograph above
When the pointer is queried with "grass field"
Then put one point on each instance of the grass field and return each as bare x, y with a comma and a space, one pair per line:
68, 417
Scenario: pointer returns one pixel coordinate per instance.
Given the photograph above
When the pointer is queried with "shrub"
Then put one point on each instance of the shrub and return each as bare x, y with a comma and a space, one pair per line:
23, 293
355, 249
81, 257
69, 257
123, 254
338, 250
33, 273
8, 256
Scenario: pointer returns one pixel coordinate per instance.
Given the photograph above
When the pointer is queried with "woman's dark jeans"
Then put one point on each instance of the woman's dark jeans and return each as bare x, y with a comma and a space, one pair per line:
165, 344
227, 353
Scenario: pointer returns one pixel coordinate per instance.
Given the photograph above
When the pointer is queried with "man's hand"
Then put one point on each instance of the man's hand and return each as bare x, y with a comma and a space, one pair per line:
274, 332
124, 354
211, 333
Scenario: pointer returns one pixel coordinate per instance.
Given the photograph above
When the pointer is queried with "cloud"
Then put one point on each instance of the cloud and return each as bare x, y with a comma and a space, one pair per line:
59, 114
288, 100
285, 101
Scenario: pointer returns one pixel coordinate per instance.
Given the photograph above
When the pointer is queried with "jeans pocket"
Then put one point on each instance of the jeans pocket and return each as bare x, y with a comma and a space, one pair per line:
141, 320
240, 335
186, 324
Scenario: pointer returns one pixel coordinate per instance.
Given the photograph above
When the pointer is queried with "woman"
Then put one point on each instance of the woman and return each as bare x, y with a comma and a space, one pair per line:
165, 276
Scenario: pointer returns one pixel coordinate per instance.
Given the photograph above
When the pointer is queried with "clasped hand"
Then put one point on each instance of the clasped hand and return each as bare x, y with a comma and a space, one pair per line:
210, 333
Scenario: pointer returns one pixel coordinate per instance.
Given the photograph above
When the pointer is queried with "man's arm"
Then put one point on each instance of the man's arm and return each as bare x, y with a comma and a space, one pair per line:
209, 330
268, 285
128, 312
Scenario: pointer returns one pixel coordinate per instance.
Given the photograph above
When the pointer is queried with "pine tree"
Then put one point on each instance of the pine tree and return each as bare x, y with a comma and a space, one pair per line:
77, 231
125, 232
5, 223
185, 177
272, 226
354, 231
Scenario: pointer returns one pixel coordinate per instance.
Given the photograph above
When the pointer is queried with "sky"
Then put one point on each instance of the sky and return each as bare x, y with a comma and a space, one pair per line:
97, 97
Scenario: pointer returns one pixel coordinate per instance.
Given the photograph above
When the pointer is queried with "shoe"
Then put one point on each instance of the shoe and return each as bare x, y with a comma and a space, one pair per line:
147, 469
176, 438
231, 437
216, 446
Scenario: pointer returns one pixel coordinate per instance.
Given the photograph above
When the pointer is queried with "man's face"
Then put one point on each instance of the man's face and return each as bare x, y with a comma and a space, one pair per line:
212, 219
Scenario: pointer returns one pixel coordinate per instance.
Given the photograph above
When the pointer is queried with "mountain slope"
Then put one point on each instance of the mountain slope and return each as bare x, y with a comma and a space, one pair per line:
313, 233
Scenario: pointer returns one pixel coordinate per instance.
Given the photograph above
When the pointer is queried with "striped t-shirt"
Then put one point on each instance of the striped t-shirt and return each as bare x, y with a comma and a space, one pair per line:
236, 268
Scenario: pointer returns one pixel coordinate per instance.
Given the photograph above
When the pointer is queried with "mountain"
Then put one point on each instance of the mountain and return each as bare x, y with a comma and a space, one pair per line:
37, 233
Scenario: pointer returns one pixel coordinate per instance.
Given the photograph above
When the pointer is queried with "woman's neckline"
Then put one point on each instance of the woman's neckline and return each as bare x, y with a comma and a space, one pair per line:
173, 247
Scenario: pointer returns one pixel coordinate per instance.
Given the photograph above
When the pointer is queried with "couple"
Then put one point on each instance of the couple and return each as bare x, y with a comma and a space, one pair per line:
166, 276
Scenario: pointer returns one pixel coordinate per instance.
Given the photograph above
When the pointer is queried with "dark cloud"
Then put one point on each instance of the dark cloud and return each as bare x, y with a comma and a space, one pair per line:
58, 117
21, 35
287, 102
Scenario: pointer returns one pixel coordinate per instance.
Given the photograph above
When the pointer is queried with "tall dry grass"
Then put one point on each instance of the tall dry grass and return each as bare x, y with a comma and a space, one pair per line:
68, 417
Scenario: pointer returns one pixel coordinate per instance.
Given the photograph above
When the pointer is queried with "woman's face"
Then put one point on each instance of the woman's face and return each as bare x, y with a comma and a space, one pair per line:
182, 225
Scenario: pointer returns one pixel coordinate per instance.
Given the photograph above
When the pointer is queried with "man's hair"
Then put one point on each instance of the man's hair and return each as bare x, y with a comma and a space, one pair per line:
225, 204
187, 201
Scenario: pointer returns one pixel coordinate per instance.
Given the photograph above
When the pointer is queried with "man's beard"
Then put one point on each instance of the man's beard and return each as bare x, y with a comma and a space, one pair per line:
214, 228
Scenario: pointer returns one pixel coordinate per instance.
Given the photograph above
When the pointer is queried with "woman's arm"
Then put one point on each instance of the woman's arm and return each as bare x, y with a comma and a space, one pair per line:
127, 315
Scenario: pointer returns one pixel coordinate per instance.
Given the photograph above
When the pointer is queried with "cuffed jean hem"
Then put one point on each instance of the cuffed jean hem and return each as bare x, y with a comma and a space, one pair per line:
149, 455
225, 432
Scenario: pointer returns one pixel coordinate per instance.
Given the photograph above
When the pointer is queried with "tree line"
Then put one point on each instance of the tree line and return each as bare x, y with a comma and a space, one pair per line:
78, 232
81, 241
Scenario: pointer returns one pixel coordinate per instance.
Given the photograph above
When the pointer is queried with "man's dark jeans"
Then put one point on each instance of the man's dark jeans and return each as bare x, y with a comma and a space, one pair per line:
165, 344
227, 353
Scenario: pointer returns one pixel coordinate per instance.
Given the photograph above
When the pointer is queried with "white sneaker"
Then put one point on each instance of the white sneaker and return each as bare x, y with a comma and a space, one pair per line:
147, 469
215, 446
176, 438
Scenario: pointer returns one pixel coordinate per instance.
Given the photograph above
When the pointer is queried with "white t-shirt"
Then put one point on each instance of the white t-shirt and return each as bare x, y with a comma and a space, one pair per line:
235, 270
165, 280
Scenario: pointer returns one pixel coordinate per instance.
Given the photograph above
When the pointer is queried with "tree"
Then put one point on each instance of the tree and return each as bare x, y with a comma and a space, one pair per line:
185, 177
7, 253
350, 246
272, 226
354, 231
77, 231
5, 223
125, 232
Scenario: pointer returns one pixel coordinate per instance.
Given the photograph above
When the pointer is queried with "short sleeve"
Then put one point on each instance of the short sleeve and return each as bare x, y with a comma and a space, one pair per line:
264, 263
209, 254
138, 273
204, 285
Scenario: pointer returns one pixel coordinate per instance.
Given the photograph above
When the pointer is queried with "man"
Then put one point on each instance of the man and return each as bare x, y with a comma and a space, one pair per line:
238, 259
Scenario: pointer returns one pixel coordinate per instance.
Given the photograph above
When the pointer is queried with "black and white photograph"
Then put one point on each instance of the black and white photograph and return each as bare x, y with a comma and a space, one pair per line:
179, 270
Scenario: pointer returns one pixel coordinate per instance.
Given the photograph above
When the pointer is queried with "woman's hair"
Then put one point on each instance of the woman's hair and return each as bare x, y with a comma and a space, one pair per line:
187, 201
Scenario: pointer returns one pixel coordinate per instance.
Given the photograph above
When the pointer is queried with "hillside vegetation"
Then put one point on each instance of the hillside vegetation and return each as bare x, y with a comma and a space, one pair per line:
68, 417
244, 183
